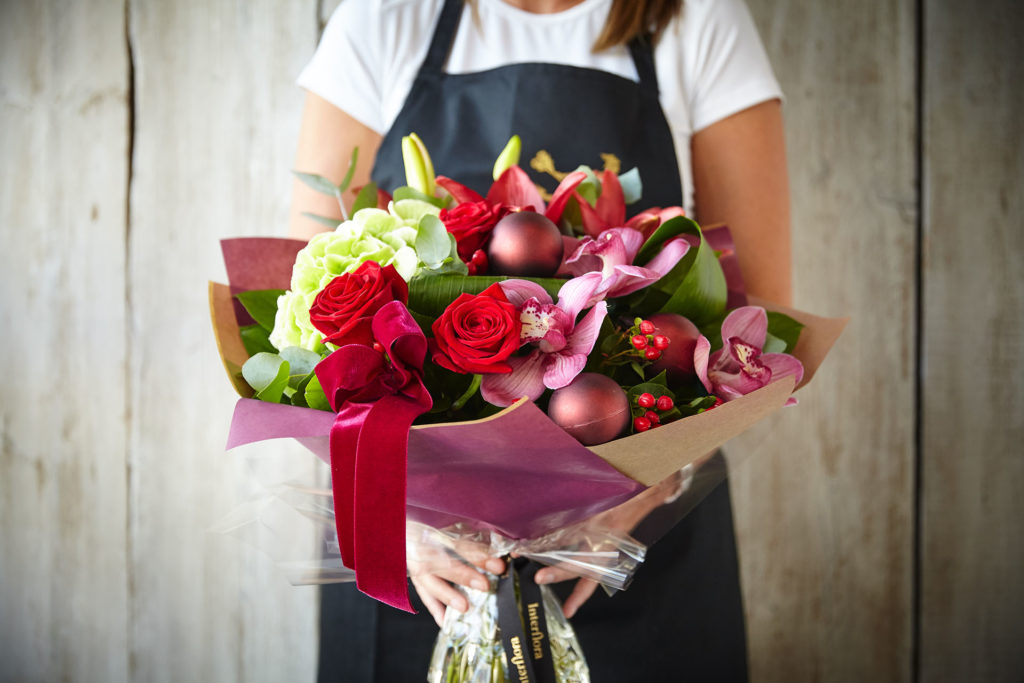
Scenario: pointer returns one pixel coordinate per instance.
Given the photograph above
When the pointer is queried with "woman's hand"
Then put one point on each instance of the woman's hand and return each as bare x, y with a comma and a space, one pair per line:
625, 518
434, 574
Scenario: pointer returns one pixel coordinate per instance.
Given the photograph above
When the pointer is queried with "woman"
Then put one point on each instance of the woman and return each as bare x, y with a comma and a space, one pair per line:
698, 113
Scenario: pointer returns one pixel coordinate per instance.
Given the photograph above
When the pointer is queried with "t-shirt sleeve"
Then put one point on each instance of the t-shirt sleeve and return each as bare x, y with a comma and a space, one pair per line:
346, 68
728, 68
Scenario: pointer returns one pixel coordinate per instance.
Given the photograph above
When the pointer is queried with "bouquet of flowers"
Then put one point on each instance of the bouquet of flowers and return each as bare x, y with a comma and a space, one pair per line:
496, 371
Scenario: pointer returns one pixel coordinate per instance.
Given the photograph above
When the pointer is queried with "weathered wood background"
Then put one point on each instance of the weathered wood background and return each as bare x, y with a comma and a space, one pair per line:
881, 524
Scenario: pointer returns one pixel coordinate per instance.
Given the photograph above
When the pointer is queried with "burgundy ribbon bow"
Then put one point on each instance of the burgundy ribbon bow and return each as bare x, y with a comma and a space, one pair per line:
376, 398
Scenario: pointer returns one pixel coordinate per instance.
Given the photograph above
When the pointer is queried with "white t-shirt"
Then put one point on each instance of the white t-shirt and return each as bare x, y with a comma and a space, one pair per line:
710, 61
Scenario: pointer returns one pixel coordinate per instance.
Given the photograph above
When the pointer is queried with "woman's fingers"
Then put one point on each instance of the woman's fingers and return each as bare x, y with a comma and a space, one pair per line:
436, 593
554, 575
580, 594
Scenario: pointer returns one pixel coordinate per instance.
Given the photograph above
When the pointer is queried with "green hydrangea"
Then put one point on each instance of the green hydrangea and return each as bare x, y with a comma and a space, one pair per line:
387, 237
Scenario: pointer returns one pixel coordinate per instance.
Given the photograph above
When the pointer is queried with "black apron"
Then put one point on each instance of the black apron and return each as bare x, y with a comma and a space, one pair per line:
682, 618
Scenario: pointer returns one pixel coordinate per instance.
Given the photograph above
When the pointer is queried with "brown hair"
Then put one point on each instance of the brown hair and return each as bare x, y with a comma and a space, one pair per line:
628, 19
631, 18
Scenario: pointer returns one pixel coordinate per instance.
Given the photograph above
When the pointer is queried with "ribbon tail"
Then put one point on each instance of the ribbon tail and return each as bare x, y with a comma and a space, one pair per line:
380, 471
343, 443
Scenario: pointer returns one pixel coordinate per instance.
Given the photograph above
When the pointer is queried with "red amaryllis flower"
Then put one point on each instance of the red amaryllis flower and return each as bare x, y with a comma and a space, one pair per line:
343, 310
471, 224
477, 333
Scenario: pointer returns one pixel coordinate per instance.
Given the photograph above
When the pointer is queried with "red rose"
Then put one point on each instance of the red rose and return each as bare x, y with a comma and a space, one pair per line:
471, 223
343, 310
477, 333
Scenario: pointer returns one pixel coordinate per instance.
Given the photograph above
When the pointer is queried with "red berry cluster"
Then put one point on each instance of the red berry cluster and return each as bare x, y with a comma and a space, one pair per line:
650, 418
645, 340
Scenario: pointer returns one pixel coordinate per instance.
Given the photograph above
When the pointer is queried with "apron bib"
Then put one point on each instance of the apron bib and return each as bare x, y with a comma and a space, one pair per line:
466, 119
683, 614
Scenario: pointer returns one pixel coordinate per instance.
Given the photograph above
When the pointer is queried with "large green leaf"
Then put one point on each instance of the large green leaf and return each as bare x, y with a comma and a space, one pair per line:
261, 304
429, 295
695, 287
267, 374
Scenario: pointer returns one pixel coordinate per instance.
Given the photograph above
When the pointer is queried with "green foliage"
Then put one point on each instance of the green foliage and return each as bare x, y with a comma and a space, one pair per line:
632, 187
314, 395
429, 295
267, 374
256, 339
261, 304
695, 287
784, 329
367, 198
406, 192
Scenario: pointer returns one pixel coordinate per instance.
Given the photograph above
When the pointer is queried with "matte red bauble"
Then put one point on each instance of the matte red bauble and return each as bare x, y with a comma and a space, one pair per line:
677, 359
525, 243
593, 408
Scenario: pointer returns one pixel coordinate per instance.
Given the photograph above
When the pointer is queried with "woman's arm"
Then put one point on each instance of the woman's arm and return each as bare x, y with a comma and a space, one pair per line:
326, 140
740, 179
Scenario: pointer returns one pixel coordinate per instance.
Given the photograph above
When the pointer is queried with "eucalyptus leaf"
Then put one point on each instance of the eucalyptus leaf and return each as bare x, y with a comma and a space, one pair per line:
318, 183
366, 199
331, 223
432, 241
632, 187
267, 374
261, 304
314, 395
302, 362
347, 180
256, 339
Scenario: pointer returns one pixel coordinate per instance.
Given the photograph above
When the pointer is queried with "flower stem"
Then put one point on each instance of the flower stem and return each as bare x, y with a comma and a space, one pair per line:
474, 386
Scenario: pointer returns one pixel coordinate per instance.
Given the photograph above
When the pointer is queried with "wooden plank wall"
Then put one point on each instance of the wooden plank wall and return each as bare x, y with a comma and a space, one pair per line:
63, 145
972, 510
216, 118
825, 502
134, 134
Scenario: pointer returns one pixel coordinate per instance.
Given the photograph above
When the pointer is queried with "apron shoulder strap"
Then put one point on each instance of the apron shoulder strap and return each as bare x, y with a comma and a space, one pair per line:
444, 36
643, 57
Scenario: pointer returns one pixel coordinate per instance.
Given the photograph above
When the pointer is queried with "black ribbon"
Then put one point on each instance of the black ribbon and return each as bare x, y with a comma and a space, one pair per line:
523, 625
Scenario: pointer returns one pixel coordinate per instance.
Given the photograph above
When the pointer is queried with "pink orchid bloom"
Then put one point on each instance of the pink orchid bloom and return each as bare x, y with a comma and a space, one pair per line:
612, 253
741, 366
515, 189
562, 345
